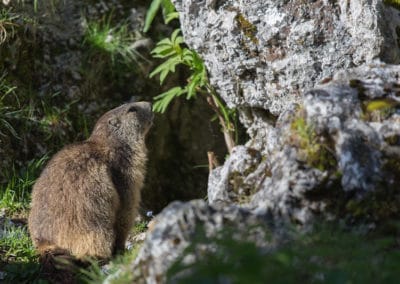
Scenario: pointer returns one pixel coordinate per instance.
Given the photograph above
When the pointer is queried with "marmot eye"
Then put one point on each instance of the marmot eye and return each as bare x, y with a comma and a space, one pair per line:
132, 109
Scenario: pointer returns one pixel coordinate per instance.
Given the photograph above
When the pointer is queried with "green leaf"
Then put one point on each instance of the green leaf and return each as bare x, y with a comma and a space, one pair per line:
167, 9
171, 16
197, 61
168, 65
151, 13
195, 80
187, 57
222, 108
163, 100
163, 51
175, 35
165, 68
165, 54
178, 41
8, 126
166, 41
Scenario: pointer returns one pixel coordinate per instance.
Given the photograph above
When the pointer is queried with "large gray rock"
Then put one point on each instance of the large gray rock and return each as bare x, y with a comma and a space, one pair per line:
261, 56
331, 139
341, 140
196, 224
264, 54
336, 147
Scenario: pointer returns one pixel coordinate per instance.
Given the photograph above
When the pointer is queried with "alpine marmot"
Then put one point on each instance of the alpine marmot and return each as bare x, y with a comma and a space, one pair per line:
88, 195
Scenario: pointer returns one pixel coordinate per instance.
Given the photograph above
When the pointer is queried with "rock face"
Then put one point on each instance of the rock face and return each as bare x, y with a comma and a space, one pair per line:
338, 147
340, 141
264, 54
181, 223
322, 111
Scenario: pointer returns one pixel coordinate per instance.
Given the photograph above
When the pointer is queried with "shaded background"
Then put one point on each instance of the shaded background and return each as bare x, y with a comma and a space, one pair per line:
55, 83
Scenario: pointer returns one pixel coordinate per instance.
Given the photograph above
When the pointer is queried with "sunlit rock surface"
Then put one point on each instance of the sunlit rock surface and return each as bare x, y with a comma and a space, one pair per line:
262, 55
320, 106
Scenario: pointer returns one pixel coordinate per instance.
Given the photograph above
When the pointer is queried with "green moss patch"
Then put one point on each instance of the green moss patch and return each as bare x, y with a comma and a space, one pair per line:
248, 29
313, 149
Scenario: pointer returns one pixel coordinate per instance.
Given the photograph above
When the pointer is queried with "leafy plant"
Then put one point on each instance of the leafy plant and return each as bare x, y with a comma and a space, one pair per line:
174, 53
39, 123
17, 250
140, 227
24, 273
171, 51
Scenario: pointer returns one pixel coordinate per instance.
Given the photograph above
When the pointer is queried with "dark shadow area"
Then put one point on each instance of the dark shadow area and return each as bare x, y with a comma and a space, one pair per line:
178, 145
20, 272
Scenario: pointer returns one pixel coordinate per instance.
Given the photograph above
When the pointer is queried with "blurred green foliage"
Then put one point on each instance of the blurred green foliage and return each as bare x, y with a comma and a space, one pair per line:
115, 41
168, 11
326, 255
116, 272
393, 3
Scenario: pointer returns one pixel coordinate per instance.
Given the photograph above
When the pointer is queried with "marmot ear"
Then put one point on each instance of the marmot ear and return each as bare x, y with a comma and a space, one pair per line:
114, 122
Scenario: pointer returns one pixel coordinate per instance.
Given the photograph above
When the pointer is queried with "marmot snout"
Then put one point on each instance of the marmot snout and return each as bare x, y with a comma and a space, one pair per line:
87, 197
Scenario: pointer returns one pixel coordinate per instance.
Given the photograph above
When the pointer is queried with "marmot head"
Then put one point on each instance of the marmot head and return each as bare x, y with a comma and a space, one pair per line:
128, 123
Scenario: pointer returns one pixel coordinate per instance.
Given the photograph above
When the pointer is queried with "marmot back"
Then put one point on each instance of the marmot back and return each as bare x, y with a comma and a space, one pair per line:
87, 197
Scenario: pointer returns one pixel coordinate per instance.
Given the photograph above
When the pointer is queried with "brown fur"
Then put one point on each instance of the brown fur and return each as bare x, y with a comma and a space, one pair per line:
87, 197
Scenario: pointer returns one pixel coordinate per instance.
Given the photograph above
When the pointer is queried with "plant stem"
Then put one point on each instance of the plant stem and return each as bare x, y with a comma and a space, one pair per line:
213, 101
